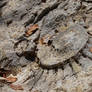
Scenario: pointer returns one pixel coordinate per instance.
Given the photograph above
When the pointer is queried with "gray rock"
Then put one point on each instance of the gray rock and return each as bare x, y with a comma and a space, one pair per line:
65, 45
86, 63
52, 21
2, 54
72, 6
52, 16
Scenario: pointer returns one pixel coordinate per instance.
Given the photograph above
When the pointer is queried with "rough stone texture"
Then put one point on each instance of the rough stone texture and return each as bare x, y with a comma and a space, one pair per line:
64, 45
18, 53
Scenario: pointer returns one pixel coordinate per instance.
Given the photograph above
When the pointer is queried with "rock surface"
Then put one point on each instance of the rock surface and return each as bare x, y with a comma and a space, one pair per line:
19, 53
65, 44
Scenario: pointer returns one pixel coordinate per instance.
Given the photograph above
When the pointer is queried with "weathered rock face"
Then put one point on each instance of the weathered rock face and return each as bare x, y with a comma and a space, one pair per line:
61, 34
52, 21
65, 44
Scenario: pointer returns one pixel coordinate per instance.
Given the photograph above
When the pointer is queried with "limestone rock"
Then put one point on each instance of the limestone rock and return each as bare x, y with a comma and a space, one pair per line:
64, 45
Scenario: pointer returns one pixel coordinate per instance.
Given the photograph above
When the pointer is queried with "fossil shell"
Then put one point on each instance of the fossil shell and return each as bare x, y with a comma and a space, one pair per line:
65, 45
